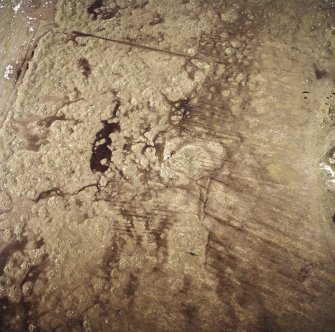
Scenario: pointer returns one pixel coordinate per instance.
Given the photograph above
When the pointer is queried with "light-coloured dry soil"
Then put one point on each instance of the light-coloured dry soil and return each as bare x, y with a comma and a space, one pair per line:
167, 165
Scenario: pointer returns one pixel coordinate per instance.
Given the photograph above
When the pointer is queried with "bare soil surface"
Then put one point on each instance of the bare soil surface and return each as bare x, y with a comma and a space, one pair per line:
167, 165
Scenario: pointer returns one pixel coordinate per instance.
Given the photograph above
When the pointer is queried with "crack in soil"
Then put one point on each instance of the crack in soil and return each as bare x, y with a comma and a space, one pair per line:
21, 71
56, 191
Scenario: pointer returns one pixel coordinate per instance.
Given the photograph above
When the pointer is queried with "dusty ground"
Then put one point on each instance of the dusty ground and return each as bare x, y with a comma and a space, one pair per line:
167, 165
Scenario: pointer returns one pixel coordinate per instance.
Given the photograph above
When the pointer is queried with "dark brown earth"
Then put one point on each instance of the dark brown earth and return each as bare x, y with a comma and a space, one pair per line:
167, 166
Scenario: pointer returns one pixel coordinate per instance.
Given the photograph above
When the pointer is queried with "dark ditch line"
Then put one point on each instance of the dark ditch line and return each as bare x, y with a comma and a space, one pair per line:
56, 191
76, 34
23, 67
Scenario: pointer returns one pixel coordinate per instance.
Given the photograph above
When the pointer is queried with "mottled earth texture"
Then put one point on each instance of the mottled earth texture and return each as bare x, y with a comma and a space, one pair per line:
167, 165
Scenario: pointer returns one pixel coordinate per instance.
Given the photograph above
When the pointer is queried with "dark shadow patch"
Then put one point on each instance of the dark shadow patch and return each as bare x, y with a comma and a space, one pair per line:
99, 10
141, 4
269, 323
132, 285
18, 73
35, 142
127, 147
320, 73
49, 120
101, 151
29, 302
36, 271
91, 10
181, 107
7, 251
157, 19
131, 288
40, 243
190, 312
192, 253
13, 316
187, 285
85, 67
304, 273
190, 69
160, 237
22, 68
112, 254
48, 193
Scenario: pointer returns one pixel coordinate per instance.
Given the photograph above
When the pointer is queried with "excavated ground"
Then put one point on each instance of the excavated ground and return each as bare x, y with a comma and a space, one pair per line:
167, 165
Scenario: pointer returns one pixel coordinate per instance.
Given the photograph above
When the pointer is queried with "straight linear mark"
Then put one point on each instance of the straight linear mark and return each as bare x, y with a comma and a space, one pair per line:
76, 34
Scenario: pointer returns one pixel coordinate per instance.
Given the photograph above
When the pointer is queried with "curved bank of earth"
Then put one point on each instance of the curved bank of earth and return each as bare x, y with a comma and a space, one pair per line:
161, 167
